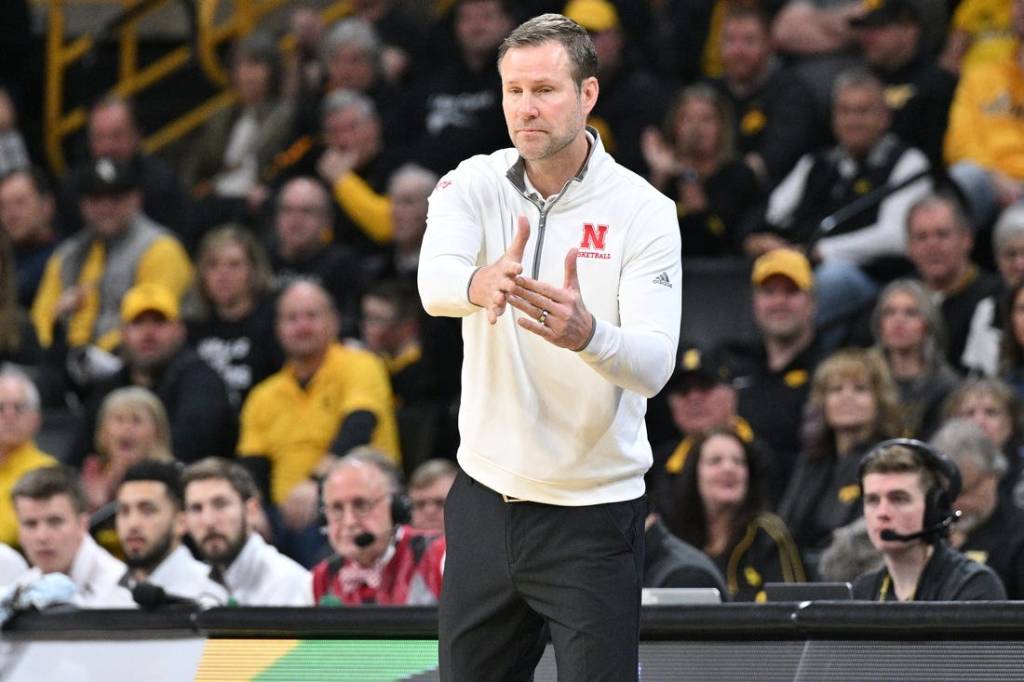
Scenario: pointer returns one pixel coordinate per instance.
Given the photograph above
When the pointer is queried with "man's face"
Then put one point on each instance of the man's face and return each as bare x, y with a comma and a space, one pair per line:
893, 501
19, 420
112, 134
24, 212
890, 46
978, 495
50, 531
938, 248
379, 325
357, 501
252, 80
1010, 260
350, 67
151, 340
782, 310
409, 210
306, 324
216, 518
428, 504
110, 214
746, 49
543, 109
127, 435
480, 26
353, 130
701, 404
303, 217
860, 118
149, 524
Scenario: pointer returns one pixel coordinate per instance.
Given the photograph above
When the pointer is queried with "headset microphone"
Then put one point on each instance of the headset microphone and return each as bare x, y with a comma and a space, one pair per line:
890, 535
364, 539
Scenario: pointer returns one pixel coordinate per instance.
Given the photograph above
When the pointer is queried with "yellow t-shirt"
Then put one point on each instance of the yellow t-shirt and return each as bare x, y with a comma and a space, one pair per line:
293, 426
16, 464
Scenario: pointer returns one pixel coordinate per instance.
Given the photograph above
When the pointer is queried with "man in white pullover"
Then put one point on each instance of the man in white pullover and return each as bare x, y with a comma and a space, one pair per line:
545, 524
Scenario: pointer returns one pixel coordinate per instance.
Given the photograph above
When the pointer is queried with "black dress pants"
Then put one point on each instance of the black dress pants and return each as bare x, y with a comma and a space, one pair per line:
518, 572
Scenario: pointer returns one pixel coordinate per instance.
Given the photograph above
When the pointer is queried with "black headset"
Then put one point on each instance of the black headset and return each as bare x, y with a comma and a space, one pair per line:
938, 502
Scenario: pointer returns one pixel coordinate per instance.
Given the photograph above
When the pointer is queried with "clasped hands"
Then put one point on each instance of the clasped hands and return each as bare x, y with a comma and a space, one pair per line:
556, 314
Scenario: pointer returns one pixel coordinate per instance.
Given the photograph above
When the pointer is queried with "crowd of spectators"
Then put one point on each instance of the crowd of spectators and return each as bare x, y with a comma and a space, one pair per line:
234, 336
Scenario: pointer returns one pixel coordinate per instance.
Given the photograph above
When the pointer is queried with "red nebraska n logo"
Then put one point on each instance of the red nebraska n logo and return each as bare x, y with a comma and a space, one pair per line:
593, 238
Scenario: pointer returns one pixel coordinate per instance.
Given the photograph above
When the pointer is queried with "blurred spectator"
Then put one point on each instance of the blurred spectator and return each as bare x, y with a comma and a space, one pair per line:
80, 296
701, 397
428, 488
405, 31
694, 162
53, 529
917, 91
978, 30
816, 27
852, 253
150, 525
671, 562
131, 426
222, 505
774, 118
13, 152
984, 144
461, 97
234, 330
908, 493
327, 399
12, 564
19, 423
993, 314
1011, 354
990, 529
853, 405
939, 243
993, 406
719, 507
18, 342
202, 419
27, 215
850, 554
351, 53
304, 69
408, 190
771, 375
624, 82
356, 165
112, 132
910, 336
378, 558
303, 248
232, 157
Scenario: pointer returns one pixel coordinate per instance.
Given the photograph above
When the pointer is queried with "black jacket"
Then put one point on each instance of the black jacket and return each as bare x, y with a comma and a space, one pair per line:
948, 576
670, 562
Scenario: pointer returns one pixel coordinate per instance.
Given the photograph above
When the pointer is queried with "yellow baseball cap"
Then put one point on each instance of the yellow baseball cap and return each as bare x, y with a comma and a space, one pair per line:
786, 262
593, 15
149, 296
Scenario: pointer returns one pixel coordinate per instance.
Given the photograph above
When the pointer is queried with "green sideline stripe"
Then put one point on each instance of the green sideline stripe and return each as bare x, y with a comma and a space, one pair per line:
356, 660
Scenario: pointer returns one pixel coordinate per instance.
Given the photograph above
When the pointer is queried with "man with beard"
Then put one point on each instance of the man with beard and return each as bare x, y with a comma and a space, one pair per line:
203, 421
221, 505
150, 526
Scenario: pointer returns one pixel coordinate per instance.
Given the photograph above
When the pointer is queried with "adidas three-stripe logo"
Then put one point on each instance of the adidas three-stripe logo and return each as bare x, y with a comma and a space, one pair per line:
663, 280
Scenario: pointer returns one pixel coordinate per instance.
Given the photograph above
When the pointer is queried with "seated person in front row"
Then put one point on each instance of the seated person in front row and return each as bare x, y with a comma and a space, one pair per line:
908, 493
221, 509
378, 558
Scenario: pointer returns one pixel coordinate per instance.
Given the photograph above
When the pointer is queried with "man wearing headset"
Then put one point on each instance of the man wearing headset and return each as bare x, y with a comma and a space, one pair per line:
908, 492
378, 559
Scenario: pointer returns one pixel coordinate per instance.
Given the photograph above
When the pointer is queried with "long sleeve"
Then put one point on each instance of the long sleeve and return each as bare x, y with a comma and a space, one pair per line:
368, 209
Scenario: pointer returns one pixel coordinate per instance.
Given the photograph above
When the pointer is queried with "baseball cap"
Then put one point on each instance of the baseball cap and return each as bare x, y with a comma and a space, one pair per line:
104, 176
885, 12
149, 296
786, 262
593, 15
695, 364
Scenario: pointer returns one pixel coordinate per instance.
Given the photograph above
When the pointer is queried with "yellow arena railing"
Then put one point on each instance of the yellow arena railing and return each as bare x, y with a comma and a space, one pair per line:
133, 78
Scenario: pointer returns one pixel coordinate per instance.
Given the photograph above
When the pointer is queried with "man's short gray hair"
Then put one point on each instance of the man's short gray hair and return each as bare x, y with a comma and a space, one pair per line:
12, 373
963, 441
1009, 225
343, 98
352, 32
415, 173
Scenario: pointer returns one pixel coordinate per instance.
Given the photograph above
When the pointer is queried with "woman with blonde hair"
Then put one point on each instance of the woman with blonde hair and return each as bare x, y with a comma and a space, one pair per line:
131, 426
853, 405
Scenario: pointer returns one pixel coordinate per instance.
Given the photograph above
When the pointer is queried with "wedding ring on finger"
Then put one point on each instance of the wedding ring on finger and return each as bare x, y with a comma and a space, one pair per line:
543, 316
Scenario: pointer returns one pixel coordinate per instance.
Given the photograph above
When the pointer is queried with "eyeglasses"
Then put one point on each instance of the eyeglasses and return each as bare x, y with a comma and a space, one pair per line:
427, 502
360, 507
